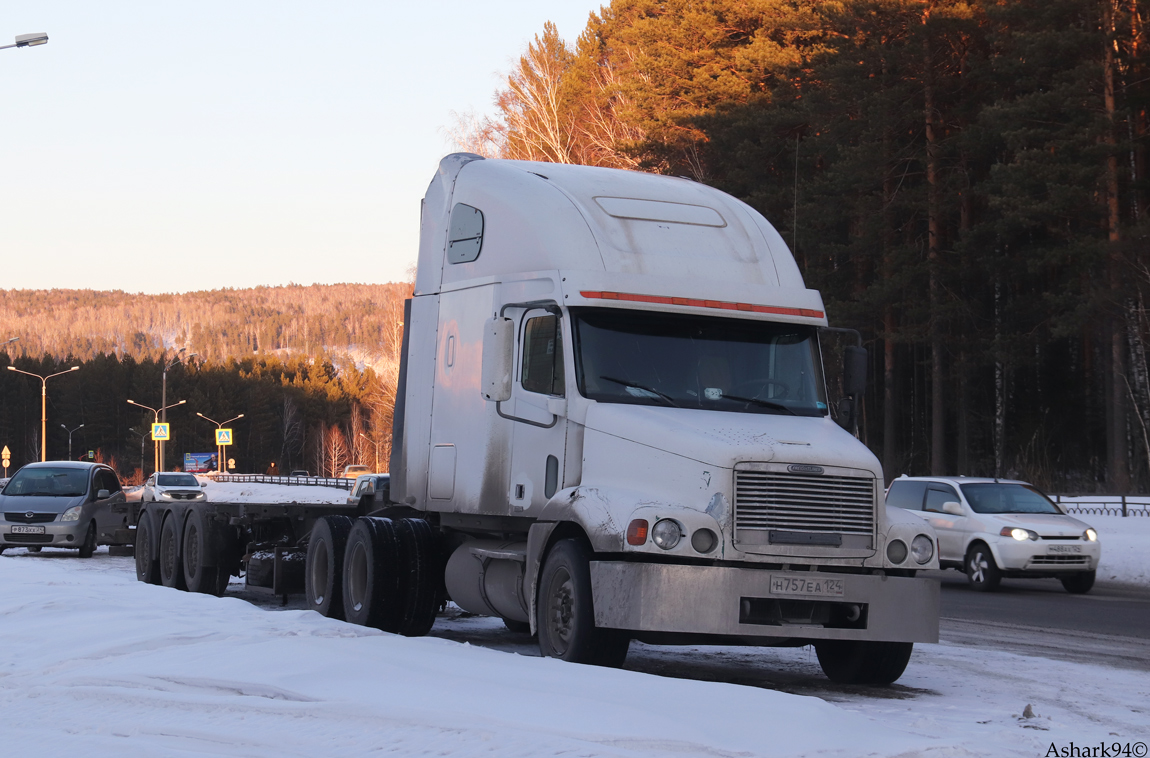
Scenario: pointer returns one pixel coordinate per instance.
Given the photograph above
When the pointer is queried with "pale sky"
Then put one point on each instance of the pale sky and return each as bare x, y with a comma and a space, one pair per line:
169, 147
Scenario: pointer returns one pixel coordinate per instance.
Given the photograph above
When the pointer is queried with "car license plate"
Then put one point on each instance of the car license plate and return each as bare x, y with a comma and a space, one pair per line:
27, 529
1065, 549
801, 585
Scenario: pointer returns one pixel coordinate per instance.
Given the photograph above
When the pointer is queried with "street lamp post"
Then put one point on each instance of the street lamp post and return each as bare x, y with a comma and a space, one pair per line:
43, 404
164, 397
376, 443
69, 431
157, 412
28, 40
219, 447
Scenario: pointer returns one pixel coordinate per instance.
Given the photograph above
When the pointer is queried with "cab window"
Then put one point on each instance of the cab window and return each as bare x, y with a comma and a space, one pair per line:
542, 369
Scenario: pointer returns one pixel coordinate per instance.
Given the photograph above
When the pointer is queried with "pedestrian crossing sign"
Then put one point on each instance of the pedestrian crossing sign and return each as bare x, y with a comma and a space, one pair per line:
161, 432
223, 436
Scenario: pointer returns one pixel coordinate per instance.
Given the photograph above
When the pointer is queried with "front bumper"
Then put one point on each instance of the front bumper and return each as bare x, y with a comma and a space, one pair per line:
56, 534
1047, 556
725, 601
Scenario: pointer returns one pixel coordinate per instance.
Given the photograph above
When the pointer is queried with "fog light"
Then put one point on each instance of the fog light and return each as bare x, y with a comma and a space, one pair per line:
922, 548
896, 551
637, 532
704, 540
666, 533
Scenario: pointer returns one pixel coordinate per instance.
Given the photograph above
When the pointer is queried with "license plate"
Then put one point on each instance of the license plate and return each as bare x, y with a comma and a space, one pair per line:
1065, 549
27, 529
801, 585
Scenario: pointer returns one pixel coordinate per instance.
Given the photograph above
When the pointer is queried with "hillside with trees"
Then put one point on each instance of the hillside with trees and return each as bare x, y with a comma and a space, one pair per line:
965, 182
313, 370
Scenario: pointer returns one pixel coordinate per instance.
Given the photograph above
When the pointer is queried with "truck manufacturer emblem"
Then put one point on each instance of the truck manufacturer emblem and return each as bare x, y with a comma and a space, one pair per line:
803, 468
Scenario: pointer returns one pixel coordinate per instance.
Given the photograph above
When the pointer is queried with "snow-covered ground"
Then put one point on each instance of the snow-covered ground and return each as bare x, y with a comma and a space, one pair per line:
97, 664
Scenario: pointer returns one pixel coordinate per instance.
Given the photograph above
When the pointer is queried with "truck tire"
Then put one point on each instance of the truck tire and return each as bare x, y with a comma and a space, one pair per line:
863, 661
171, 568
147, 566
565, 615
200, 554
323, 573
371, 591
89, 547
421, 576
1078, 584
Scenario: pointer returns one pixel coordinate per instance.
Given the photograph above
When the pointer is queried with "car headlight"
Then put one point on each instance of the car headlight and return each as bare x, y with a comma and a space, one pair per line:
166, 495
896, 551
666, 533
1019, 534
72, 514
1090, 535
922, 548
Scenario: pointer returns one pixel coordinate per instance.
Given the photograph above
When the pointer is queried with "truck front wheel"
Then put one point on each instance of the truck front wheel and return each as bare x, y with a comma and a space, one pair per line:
863, 662
565, 616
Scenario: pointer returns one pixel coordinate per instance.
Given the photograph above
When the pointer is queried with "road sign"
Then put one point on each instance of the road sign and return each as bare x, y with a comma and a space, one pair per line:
161, 432
92, 454
223, 436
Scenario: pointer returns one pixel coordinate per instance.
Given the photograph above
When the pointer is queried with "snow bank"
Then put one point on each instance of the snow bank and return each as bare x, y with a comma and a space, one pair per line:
1125, 547
100, 665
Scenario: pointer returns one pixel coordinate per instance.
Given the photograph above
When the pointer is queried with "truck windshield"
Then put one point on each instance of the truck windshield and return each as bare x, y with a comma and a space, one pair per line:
702, 362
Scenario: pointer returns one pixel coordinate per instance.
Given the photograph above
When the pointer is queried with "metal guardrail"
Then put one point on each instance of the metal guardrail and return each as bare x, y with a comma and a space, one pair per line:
312, 481
1123, 506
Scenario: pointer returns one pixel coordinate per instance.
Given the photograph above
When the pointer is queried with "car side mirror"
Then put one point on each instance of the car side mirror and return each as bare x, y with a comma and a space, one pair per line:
103, 495
954, 509
498, 351
203, 485
368, 489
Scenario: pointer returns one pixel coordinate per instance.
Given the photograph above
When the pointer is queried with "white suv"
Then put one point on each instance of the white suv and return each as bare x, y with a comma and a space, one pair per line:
991, 528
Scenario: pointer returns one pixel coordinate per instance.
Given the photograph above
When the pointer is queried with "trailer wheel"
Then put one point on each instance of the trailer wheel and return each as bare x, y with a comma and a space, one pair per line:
171, 570
324, 570
863, 661
200, 554
421, 575
371, 591
147, 566
565, 616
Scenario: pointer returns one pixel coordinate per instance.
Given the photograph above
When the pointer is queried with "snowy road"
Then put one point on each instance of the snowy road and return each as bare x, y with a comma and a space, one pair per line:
97, 664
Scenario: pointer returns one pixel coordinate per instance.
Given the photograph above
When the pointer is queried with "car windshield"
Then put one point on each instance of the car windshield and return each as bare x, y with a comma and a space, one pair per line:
49, 481
1007, 498
712, 363
177, 480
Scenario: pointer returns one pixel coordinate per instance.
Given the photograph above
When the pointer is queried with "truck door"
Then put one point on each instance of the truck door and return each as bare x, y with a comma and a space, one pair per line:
539, 411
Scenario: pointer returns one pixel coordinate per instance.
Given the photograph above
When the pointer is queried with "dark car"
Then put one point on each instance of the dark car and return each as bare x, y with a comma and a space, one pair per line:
66, 504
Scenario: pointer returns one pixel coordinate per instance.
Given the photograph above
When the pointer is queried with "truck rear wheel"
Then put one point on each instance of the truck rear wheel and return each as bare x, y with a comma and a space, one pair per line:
323, 573
421, 575
147, 567
200, 555
171, 570
565, 615
862, 661
371, 589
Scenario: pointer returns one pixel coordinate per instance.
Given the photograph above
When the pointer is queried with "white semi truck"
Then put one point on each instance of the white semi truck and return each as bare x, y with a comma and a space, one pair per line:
612, 424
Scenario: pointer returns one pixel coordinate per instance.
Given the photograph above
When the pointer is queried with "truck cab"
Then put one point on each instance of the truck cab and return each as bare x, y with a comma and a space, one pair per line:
613, 409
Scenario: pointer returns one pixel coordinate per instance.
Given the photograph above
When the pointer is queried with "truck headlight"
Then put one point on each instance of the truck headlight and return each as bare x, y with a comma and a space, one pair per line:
72, 514
1090, 535
704, 540
922, 548
896, 551
1019, 534
666, 533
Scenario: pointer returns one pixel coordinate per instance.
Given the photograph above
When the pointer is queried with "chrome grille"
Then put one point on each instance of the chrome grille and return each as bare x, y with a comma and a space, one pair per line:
766, 500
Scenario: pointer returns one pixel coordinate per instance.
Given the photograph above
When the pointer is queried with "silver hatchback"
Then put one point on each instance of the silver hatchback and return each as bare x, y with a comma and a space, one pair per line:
65, 504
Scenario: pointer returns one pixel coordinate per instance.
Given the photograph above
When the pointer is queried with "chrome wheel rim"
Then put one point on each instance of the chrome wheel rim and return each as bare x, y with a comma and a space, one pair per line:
978, 567
561, 610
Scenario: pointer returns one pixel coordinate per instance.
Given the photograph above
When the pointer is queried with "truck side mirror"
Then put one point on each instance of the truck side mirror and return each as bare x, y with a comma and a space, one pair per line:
854, 385
498, 352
